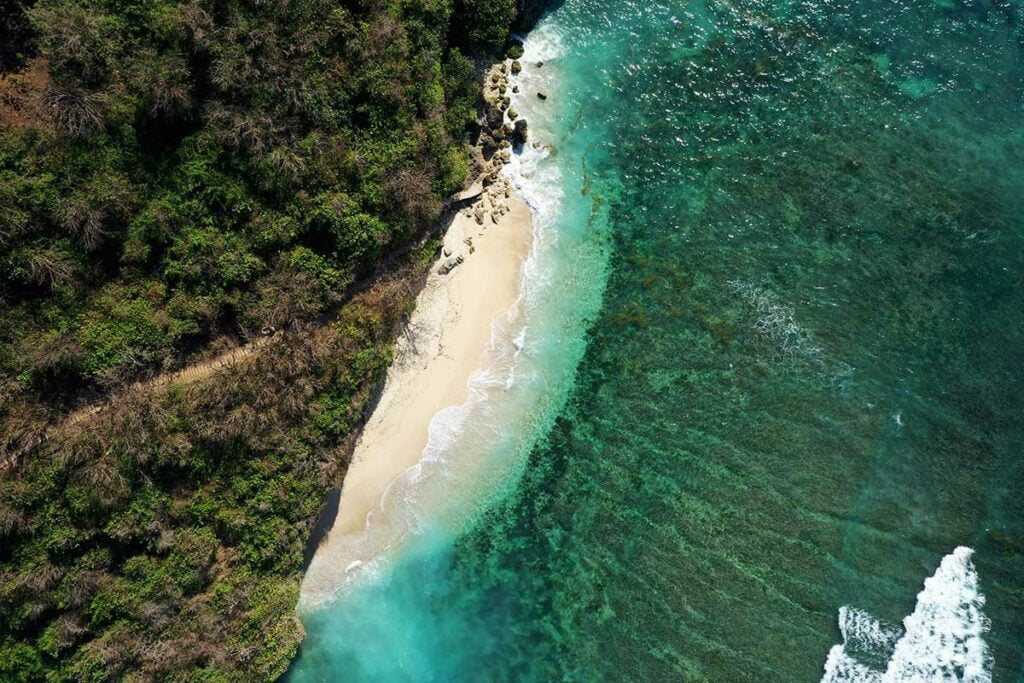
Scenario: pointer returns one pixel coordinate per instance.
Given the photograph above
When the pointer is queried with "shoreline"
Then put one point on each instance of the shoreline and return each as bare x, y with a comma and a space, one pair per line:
444, 344
459, 335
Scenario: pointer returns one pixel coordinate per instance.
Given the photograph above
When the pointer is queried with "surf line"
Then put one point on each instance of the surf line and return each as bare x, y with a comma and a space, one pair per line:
942, 640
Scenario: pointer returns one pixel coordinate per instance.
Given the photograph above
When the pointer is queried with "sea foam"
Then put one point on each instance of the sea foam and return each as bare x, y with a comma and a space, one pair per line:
940, 641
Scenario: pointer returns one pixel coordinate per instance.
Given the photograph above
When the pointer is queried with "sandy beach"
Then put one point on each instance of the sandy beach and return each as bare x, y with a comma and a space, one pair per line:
445, 343
448, 335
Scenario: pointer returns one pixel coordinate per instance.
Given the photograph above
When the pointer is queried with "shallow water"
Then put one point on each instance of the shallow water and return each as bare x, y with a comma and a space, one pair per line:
802, 390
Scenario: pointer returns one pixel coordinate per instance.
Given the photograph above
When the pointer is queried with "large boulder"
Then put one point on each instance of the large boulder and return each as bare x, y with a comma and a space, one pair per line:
494, 113
488, 145
519, 132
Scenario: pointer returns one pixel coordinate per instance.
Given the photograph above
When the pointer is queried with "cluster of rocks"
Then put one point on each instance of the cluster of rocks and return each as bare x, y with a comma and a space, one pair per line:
493, 202
502, 130
501, 126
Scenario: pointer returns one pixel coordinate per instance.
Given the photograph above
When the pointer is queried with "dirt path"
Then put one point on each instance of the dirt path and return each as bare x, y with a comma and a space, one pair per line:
184, 376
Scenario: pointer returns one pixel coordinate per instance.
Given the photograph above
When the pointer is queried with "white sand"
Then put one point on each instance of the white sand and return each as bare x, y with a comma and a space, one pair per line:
446, 342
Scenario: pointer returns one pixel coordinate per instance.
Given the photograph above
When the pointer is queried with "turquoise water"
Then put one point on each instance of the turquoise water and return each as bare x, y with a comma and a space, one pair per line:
803, 388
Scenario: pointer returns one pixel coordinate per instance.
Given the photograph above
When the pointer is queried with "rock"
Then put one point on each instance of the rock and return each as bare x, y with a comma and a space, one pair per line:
513, 114
447, 251
507, 129
515, 51
516, 67
488, 145
540, 64
520, 133
468, 241
494, 114
542, 96
494, 218
515, 88
449, 265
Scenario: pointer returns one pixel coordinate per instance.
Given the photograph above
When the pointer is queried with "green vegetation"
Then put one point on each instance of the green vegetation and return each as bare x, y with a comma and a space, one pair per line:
176, 177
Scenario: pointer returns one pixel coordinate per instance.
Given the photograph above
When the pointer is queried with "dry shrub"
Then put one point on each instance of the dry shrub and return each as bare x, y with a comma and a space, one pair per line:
196, 25
411, 188
67, 630
11, 521
77, 113
85, 586
243, 129
50, 267
286, 296
22, 428
73, 38
165, 83
83, 218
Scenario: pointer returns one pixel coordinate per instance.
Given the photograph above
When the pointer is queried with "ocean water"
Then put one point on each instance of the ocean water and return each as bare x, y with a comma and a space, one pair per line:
766, 420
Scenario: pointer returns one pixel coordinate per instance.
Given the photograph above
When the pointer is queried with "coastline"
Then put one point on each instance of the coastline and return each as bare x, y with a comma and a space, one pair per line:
454, 357
443, 345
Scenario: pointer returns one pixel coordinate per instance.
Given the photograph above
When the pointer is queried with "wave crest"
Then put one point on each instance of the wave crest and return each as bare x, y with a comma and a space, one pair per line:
940, 641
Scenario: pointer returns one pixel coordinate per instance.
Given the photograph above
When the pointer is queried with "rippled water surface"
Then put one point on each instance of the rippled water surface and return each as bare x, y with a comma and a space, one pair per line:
803, 389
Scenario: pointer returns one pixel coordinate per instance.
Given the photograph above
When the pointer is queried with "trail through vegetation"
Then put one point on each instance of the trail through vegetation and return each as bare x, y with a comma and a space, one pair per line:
176, 176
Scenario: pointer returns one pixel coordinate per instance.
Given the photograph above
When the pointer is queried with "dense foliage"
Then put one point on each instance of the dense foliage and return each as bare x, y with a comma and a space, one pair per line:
176, 177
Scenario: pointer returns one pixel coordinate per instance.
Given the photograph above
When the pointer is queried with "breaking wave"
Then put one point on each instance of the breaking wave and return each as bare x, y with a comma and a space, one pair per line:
940, 641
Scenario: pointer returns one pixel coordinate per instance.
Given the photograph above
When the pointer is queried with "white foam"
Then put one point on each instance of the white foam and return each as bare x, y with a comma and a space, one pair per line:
842, 668
864, 631
942, 640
